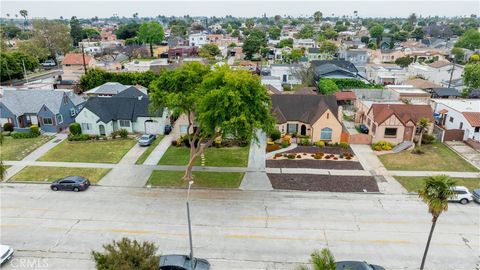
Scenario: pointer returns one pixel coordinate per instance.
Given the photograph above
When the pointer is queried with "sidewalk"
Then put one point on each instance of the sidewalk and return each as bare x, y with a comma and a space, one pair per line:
159, 151
255, 177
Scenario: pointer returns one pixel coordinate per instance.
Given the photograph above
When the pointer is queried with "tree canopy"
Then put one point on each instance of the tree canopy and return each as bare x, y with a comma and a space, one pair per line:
254, 41
53, 36
469, 40
471, 75
152, 33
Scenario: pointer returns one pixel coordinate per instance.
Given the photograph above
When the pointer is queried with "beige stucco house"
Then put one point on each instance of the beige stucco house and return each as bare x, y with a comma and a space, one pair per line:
73, 68
315, 116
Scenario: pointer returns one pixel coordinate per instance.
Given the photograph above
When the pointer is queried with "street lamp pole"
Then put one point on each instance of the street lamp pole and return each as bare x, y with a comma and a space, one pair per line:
190, 226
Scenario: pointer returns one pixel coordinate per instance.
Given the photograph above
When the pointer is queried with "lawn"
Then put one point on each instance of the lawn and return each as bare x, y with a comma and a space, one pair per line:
216, 157
201, 179
17, 149
149, 150
437, 157
414, 183
49, 174
110, 151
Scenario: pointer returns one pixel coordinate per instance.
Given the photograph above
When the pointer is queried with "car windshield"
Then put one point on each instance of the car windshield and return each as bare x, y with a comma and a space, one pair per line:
144, 137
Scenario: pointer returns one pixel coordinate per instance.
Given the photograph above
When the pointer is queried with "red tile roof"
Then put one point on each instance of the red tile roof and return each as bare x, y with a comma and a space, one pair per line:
347, 95
404, 112
473, 118
75, 59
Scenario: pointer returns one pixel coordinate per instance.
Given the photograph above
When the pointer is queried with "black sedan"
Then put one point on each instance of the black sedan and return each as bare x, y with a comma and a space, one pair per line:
182, 262
357, 265
75, 183
363, 128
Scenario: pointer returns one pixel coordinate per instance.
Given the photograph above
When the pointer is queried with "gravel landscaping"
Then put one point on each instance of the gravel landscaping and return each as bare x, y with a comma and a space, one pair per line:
313, 149
315, 182
315, 164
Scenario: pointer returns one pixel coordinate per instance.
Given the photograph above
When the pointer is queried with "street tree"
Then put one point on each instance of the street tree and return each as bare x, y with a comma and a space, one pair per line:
458, 53
285, 43
330, 33
292, 56
306, 32
317, 16
127, 254
321, 260
469, 40
471, 75
151, 33
30, 47
436, 193
75, 30
219, 103
53, 36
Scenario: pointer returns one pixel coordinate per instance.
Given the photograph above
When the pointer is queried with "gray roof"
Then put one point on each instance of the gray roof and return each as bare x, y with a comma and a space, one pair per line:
303, 108
446, 92
342, 64
109, 88
30, 101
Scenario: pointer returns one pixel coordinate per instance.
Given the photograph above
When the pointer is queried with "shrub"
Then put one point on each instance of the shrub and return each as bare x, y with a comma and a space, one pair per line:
79, 137
287, 138
75, 128
8, 127
428, 139
275, 135
418, 151
344, 145
320, 144
35, 130
335, 158
377, 148
174, 143
341, 156
348, 158
304, 141
272, 147
285, 144
278, 155
327, 157
291, 156
318, 155
299, 156
382, 145
123, 133
23, 135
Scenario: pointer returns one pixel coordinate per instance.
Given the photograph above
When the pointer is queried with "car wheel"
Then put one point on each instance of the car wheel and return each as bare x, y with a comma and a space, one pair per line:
76, 189
464, 201
55, 188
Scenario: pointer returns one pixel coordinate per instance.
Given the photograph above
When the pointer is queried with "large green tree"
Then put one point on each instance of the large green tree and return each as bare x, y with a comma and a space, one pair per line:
327, 86
471, 75
436, 193
54, 36
129, 30
209, 51
219, 103
328, 47
307, 31
151, 33
418, 33
75, 30
469, 40
376, 32
253, 43
321, 260
274, 32
317, 16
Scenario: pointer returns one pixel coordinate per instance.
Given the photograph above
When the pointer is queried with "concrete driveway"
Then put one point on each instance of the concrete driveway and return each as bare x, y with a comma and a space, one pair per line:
467, 152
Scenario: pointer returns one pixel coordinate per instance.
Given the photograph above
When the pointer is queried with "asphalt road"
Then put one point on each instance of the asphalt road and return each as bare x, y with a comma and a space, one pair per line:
234, 229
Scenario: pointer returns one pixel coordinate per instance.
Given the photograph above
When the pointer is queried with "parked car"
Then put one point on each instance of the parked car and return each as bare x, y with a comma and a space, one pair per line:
48, 64
357, 265
363, 128
463, 195
6, 252
168, 129
146, 139
182, 262
75, 183
476, 195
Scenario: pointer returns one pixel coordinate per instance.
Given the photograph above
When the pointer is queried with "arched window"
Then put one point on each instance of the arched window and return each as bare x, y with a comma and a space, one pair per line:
326, 134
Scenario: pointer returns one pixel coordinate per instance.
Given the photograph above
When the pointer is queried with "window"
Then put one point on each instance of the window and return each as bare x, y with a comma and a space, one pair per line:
477, 129
450, 119
183, 129
59, 118
65, 99
461, 125
124, 123
48, 121
292, 128
391, 132
328, 115
86, 126
72, 111
326, 134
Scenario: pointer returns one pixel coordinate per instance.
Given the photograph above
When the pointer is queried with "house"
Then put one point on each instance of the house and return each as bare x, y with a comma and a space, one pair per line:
197, 39
346, 99
315, 54
356, 56
334, 69
51, 110
286, 72
444, 92
422, 84
109, 89
273, 81
460, 114
396, 123
127, 110
385, 56
304, 43
439, 73
315, 116
386, 73
73, 65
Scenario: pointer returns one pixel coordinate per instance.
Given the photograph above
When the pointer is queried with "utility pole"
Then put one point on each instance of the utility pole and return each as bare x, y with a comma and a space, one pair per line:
83, 57
24, 71
190, 227
451, 73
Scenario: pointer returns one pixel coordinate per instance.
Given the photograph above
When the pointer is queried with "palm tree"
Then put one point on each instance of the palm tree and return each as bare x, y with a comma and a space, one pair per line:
317, 16
24, 14
437, 191
321, 260
422, 124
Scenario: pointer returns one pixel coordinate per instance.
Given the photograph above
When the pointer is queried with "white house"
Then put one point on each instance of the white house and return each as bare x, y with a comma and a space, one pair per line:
304, 43
286, 73
438, 72
198, 39
127, 110
461, 114
386, 73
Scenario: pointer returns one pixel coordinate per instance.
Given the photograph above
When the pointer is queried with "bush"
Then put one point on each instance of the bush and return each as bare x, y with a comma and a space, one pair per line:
285, 144
79, 137
174, 143
123, 133
320, 144
304, 141
291, 156
272, 147
318, 155
35, 130
382, 145
75, 128
287, 138
344, 145
275, 135
428, 139
278, 155
127, 254
299, 156
8, 127
23, 135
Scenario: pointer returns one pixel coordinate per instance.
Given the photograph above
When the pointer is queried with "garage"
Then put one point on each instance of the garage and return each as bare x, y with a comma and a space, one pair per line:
152, 127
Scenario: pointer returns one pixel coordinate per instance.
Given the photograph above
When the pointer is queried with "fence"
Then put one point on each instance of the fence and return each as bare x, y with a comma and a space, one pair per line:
360, 139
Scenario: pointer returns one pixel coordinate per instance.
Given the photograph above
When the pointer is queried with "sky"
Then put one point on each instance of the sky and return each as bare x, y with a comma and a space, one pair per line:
246, 8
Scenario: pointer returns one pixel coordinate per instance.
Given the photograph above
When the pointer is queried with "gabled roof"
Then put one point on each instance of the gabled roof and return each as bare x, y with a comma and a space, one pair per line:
109, 88
272, 89
120, 108
75, 59
421, 83
439, 64
404, 112
346, 95
446, 92
130, 92
342, 64
302, 108
473, 118
30, 101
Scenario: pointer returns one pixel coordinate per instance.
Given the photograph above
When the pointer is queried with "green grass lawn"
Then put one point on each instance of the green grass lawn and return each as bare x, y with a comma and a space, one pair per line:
437, 157
17, 149
414, 183
201, 179
49, 174
110, 151
149, 150
217, 157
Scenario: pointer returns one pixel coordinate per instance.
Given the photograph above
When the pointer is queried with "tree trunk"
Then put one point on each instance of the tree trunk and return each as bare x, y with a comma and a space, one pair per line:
419, 143
434, 221
151, 50
188, 172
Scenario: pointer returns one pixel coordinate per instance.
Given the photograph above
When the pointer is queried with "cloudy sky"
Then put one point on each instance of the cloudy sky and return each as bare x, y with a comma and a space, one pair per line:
246, 8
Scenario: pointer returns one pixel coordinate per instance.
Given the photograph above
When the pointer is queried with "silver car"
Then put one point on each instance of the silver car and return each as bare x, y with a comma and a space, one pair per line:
6, 252
146, 139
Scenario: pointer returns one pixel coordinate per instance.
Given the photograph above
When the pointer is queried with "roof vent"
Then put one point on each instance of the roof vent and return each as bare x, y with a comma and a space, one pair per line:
140, 97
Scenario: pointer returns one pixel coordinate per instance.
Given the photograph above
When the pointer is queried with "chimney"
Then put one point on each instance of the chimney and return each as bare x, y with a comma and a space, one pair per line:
340, 114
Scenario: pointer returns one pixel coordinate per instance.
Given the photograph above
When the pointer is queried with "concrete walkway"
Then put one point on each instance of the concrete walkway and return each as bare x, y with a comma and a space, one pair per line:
36, 154
468, 153
271, 154
159, 151
132, 155
350, 126
255, 178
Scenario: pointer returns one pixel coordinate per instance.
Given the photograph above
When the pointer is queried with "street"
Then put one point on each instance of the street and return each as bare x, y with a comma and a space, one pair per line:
234, 229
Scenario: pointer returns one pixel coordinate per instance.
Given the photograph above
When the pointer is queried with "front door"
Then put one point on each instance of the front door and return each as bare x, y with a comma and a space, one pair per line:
407, 135
303, 130
102, 130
